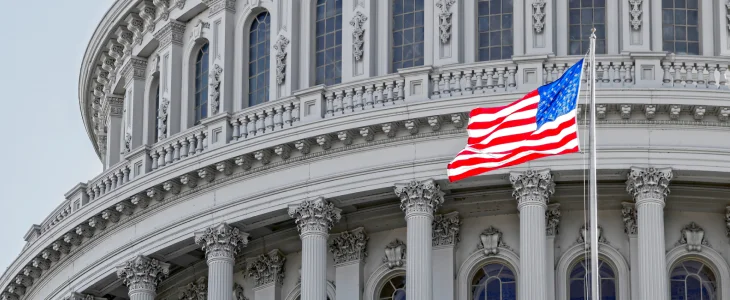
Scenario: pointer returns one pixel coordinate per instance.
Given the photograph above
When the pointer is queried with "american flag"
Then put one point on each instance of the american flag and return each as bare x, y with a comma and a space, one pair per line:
542, 123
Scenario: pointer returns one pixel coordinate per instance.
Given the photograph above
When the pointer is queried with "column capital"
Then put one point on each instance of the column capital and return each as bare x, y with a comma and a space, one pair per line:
197, 289
143, 273
350, 246
552, 219
267, 269
221, 241
134, 68
419, 197
446, 229
649, 184
314, 216
532, 187
628, 213
172, 33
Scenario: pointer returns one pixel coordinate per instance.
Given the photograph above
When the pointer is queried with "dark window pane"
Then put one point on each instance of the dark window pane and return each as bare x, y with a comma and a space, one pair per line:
495, 29
329, 42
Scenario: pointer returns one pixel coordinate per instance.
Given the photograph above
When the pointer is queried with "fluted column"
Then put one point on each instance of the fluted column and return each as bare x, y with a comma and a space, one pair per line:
419, 200
221, 243
532, 189
314, 220
142, 274
650, 187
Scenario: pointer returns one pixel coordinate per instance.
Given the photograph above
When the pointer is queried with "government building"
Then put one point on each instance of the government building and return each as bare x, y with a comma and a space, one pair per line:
297, 149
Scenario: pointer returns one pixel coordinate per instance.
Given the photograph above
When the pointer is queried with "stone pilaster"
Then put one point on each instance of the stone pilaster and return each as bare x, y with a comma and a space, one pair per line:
532, 189
112, 110
170, 54
267, 272
141, 275
133, 72
349, 250
446, 229
221, 243
419, 200
628, 214
649, 187
314, 219
552, 220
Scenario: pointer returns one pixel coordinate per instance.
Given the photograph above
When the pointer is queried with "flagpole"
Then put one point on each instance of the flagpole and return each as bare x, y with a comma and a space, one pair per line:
593, 187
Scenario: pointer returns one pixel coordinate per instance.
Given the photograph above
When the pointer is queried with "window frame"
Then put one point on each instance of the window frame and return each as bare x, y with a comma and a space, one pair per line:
485, 263
580, 24
336, 33
698, 27
604, 260
478, 32
266, 75
202, 58
392, 32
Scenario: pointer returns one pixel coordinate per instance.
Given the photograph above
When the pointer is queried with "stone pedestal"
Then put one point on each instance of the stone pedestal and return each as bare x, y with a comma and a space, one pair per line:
532, 189
221, 243
419, 200
142, 274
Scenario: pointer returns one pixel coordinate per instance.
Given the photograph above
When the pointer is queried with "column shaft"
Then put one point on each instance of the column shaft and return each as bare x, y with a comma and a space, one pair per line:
142, 295
532, 284
550, 267
314, 266
419, 280
652, 262
220, 279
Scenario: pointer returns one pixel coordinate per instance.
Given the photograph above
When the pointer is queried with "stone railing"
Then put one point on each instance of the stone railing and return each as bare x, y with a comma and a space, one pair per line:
479, 78
611, 71
362, 95
696, 72
60, 213
182, 145
112, 179
265, 118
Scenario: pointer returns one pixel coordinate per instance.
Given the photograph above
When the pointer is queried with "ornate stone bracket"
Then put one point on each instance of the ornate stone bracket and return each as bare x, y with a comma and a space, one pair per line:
350, 246
538, 15
148, 12
552, 219
280, 47
419, 196
143, 273
315, 216
215, 84
395, 254
196, 290
628, 213
445, 19
221, 241
636, 14
649, 184
358, 35
446, 229
267, 268
490, 240
584, 235
532, 187
693, 236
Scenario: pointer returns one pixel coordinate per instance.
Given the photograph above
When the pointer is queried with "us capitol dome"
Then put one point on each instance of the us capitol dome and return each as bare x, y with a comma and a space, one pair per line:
287, 149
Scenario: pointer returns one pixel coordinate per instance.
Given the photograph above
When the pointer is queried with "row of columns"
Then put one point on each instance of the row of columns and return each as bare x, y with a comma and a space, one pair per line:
419, 201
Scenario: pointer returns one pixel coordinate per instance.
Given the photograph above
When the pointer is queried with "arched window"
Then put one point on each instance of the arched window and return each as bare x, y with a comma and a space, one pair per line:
494, 281
580, 281
394, 289
495, 29
258, 59
201, 84
329, 42
692, 279
680, 23
157, 112
408, 33
583, 15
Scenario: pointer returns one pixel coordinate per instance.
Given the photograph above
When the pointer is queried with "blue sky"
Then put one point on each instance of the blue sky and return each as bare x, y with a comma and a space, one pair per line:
45, 150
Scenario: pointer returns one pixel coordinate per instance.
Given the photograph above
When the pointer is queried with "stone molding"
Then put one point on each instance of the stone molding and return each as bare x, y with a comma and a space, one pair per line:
628, 214
444, 15
584, 235
358, 35
221, 241
649, 184
217, 6
395, 254
196, 290
172, 33
134, 68
552, 219
267, 268
693, 237
143, 273
280, 46
314, 216
350, 246
419, 197
490, 241
446, 229
532, 187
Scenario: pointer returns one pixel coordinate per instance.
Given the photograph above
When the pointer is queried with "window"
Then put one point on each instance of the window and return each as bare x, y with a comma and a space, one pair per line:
258, 59
692, 280
494, 281
495, 29
329, 42
583, 15
157, 113
680, 20
580, 281
201, 84
394, 289
407, 34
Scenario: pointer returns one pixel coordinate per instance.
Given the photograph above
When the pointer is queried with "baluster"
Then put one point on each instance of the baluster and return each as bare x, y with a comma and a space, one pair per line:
184, 147
287, 115
723, 76
629, 78
236, 129
677, 75
168, 154
511, 71
161, 162
555, 72
349, 101
500, 78
193, 145
252, 125
369, 97
711, 80
447, 85
126, 172
205, 141
279, 116
489, 80
400, 86
97, 191
667, 78
108, 185
701, 76
199, 142
546, 74
269, 119
358, 98
435, 83
295, 113
90, 193
621, 69
244, 127
616, 73
260, 123
379, 94
389, 91
480, 81
467, 80
456, 86
102, 188
118, 179
330, 109
154, 157
176, 151
339, 104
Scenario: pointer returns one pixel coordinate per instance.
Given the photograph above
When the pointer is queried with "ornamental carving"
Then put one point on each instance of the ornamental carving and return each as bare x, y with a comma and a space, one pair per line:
221, 241
127, 142
79, 296
490, 240
538, 15
136, 25
628, 214
267, 268
172, 32
419, 197
552, 219
8, 296
649, 183
148, 12
358, 35
162, 119
728, 14
445, 19
143, 273
215, 84
164, 7
197, 290
280, 47
635, 13
585, 234
238, 292
446, 229
198, 30
727, 220
693, 236
350, 246
532, 187
217, 6
395, 254
314, 216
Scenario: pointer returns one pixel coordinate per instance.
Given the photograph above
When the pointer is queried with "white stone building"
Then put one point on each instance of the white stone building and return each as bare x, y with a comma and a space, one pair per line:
276, 150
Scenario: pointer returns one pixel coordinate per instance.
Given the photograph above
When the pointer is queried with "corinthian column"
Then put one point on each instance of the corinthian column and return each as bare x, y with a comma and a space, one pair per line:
221, 243
532, 189
142, 274
314, 220
419, 200
650, 187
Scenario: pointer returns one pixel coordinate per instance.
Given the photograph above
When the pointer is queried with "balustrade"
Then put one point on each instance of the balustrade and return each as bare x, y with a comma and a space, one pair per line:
481, 78
373, 93
696, 72
265, 118
178, 147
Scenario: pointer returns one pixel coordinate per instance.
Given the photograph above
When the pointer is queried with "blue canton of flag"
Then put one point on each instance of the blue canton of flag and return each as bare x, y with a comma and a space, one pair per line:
559, 97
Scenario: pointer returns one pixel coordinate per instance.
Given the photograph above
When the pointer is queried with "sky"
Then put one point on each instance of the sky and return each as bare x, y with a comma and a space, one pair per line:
46, 150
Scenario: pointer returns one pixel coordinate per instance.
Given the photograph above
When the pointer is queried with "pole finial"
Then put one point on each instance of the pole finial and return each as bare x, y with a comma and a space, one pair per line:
593, 32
